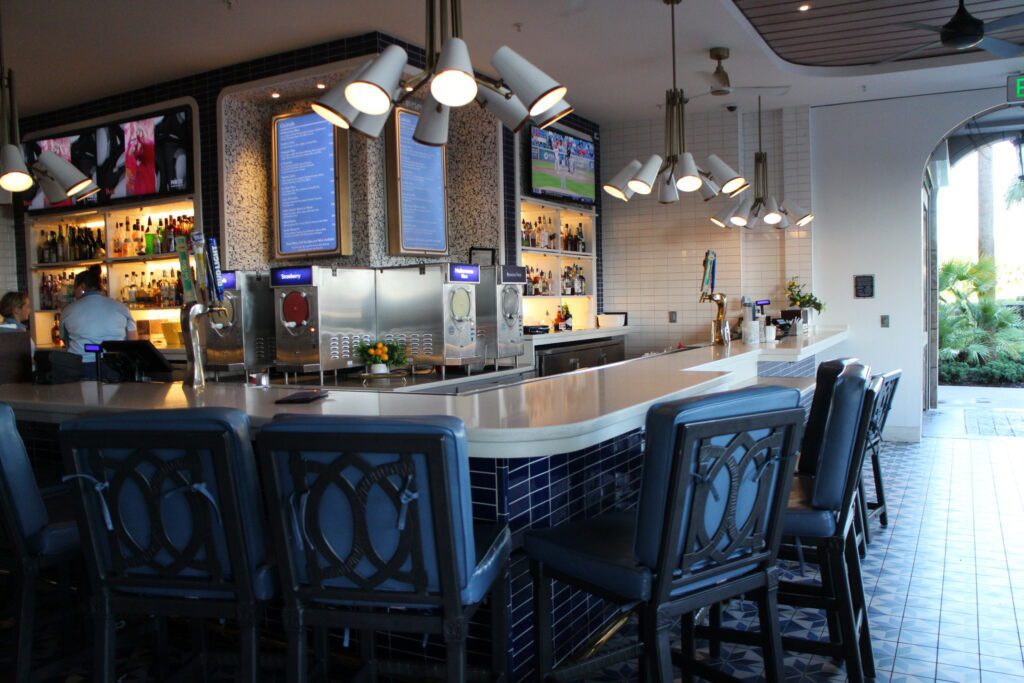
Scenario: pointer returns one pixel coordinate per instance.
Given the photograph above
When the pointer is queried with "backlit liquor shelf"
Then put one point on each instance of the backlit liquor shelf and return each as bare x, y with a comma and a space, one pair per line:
132, 244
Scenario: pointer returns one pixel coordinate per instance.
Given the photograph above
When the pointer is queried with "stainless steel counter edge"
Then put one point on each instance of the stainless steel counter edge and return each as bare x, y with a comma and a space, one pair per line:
541, 417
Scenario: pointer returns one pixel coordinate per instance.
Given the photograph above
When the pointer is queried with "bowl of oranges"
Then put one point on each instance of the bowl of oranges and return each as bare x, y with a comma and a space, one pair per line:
381, 356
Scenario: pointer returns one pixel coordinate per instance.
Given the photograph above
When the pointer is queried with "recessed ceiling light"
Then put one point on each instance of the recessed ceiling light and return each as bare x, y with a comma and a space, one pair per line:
804, 7
275, 95
321, 86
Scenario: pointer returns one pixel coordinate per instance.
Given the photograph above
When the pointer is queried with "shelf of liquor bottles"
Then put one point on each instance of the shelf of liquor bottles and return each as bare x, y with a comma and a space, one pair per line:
132, 244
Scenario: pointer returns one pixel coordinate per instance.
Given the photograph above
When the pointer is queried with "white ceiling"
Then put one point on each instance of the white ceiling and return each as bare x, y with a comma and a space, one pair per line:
613, 54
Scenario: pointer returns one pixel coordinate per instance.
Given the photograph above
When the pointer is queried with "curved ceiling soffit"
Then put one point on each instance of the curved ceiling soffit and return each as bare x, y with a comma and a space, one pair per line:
845, 71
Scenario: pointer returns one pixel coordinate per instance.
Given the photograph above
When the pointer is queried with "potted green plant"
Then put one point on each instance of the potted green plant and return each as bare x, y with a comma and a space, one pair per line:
381, 356
805, 301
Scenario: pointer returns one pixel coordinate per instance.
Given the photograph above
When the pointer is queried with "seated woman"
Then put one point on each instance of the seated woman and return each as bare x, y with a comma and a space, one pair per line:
15, 310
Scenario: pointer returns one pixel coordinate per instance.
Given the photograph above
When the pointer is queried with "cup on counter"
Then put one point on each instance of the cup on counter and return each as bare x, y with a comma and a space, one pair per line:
769, 333
257, 378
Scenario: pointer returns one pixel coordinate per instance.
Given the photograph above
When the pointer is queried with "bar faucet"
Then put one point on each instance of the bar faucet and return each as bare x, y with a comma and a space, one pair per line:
719, 327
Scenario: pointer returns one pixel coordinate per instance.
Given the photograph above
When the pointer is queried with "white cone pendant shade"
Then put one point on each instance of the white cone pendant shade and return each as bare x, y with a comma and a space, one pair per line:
534, 88
54, 193
796, 213
510, 112
454, 84
432, 128
371, 126
721, 219
618, 186
14, 176
709, 190
69, 178
772, 215
371, 92
334, 107
90, 189
668, 193
561, 109
724, 175
689, 176
782, 224
643, 181
741, 217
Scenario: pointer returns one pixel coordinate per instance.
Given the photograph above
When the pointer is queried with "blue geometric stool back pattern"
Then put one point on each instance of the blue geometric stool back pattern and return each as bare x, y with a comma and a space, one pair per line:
173, 515
371, 514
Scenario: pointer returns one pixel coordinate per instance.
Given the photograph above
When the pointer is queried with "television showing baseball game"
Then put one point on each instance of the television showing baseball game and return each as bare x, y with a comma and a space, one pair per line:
562, 166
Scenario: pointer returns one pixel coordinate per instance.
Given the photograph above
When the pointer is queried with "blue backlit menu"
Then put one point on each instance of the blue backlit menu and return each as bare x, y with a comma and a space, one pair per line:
422, 188
463, 272
291, 277
307, 211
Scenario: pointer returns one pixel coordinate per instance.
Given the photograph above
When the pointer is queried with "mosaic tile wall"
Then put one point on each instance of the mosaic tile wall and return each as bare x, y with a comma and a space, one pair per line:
474, 200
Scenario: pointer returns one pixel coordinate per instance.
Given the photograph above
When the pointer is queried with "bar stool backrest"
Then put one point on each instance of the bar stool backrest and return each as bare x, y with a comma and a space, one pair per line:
372, 510
840, 437
821, 405
727, 491
880, 415
22, 510
170, 500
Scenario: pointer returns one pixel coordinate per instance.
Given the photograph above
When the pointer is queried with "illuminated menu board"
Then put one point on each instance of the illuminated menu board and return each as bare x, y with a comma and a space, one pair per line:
310, 187
417, 191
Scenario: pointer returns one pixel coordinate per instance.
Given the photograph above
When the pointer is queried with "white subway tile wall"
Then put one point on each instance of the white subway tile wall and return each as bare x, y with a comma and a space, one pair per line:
653, 253
8, 252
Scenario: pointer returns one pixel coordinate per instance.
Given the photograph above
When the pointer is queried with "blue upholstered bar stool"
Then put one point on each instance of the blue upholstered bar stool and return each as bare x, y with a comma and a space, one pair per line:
172, 521
373, 526
34, 543
821, 514
877, 507
717, 471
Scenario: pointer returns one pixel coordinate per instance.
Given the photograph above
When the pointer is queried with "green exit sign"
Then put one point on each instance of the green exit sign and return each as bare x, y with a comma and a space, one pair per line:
1015, 88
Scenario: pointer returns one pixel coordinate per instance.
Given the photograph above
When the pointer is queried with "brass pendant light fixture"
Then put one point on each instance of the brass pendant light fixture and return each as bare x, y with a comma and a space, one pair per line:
365, 99
762, 206
677, 171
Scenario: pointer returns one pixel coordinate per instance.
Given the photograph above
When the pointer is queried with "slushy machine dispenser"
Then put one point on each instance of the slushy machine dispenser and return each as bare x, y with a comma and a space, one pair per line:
499, 312
432, 310
321, 315
240, 332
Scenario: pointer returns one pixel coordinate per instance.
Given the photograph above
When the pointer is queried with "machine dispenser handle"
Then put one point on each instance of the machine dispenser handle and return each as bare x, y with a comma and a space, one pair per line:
288, 323
574, 363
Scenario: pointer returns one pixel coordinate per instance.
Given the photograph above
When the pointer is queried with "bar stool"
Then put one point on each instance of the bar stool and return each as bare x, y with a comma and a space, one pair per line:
821, 513
172, 521
877, 508
372, 523
717, 471
35, 543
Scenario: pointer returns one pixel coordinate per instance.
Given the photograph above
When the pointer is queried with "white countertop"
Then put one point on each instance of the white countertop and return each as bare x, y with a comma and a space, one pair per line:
537, 417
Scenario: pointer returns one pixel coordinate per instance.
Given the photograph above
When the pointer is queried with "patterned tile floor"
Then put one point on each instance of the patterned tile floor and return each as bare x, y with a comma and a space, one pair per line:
994, 422
945, 580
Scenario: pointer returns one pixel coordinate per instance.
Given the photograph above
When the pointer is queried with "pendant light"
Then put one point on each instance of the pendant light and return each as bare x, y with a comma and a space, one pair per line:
522, 92
677, 162
618, 186
763, 206
15, 176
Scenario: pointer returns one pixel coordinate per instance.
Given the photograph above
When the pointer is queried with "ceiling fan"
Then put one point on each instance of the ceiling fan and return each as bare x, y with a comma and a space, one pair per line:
722, 86
965, 31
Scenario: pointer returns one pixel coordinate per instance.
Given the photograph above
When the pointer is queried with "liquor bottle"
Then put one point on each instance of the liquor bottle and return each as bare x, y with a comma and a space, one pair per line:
582, 283
572, 241
55, 331
582, 238
61, 257
565, 238
74, 244
133, 290
148, 236
101, 243
179, 291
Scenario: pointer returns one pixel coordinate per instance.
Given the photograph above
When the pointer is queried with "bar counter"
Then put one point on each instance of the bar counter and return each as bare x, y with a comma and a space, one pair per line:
533, 418
542, 451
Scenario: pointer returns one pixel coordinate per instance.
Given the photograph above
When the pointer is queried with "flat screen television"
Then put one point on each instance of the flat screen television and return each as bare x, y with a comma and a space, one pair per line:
138, 157
561, 166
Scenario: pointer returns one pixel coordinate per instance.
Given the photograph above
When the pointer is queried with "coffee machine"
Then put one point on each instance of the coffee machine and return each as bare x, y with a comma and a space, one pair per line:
499, 312
321, 315
240, 333
431, 309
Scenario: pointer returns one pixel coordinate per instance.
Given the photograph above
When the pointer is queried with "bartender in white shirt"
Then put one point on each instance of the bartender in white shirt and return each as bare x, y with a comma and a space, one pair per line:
93, 318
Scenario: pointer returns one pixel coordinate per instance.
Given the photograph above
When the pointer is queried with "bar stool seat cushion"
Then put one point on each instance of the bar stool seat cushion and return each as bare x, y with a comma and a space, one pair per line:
57, 538
598, 550
806, 522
